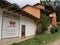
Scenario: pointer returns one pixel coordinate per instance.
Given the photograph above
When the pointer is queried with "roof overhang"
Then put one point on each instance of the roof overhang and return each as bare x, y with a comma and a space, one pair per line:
45, 11
11, 7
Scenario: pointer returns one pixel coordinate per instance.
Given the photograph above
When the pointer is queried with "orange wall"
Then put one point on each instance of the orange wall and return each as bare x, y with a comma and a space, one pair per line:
54, 22
32, 10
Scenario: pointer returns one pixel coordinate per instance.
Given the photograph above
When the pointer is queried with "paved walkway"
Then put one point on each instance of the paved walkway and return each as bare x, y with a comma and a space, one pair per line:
12, 40
57, 42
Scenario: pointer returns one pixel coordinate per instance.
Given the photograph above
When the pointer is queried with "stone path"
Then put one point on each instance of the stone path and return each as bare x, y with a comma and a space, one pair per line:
13, 40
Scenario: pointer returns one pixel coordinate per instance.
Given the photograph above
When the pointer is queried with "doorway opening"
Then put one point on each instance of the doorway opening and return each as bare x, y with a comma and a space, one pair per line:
23, 30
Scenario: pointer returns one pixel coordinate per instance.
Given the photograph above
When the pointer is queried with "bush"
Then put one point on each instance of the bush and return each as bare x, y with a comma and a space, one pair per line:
58, 24
14, 44
45, 22
43, 28
54, 29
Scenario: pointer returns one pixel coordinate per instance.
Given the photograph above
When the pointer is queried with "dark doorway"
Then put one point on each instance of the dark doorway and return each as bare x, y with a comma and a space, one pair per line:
23, 30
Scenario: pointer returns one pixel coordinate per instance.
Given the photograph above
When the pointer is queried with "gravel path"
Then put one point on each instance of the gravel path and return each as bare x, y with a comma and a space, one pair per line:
13, 40
57, 42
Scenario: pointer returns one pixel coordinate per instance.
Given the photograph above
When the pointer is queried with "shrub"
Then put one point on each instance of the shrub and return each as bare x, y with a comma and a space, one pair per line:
45, 22
14, 44
54, 29
58, 24
43, 28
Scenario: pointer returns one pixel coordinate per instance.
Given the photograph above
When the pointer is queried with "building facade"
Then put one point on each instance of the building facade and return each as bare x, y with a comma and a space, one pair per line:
16, 23
22, 22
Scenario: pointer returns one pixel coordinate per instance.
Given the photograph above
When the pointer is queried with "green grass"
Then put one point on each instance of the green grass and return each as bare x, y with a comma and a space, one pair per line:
38, 39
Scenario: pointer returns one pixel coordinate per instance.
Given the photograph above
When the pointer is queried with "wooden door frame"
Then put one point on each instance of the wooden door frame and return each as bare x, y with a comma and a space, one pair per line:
23, 28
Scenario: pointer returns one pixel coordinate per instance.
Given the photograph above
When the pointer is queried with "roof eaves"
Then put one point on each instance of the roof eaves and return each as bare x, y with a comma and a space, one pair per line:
22, 12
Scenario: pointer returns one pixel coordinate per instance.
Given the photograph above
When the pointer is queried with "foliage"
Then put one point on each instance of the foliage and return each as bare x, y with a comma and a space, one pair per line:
16, 6
14, 44
39, 39
58, 13
43, 28
45, 22
1, 2
54, 29
58, 24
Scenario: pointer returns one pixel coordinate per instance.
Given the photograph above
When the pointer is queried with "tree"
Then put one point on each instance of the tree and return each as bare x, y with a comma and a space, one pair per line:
16, 6
58, 13
45, 22
2, 1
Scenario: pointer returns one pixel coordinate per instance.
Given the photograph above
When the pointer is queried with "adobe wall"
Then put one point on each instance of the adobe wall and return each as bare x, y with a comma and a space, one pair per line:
54, 20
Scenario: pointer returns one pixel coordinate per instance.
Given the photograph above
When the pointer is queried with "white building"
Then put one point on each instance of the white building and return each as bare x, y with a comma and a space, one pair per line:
18, 24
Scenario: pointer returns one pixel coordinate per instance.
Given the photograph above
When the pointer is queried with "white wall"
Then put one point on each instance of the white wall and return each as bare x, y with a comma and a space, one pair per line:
30, 26
9, 31
1, 13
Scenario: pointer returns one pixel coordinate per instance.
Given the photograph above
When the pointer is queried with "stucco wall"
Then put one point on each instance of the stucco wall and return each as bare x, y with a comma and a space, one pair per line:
30, 26
8, 30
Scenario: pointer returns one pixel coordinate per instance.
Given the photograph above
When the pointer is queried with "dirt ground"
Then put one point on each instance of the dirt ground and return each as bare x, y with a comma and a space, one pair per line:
9, 41
56, 42
13, 40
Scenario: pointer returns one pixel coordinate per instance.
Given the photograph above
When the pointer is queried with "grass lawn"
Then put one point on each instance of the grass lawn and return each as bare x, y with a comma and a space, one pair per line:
39, 39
